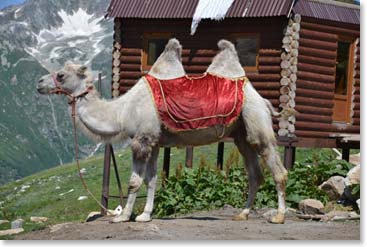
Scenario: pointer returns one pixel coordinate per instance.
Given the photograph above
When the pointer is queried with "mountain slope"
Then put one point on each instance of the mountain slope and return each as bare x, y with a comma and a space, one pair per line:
36, 37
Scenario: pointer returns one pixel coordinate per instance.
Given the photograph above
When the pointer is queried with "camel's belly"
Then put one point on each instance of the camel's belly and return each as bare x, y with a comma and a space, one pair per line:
196, 137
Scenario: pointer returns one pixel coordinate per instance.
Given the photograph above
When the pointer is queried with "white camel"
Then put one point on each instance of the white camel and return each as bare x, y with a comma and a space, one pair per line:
132, 119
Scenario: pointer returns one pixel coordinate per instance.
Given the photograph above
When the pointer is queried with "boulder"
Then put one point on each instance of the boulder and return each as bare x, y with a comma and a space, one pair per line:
17, 224
353, 176
333, 187
3, 222
38, 219
311, 206
11, 231
352, 180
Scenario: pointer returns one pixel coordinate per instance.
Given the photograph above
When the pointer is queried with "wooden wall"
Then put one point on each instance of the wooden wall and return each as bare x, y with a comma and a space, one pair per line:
316, 78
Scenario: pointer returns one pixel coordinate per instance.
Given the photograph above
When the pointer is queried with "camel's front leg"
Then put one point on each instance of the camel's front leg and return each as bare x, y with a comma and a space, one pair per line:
135, 182
151, 182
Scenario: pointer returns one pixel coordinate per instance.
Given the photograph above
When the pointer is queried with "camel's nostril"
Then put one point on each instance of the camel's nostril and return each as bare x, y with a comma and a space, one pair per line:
40, 81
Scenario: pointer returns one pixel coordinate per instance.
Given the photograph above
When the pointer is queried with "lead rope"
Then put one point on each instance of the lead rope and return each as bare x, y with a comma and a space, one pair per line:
73, 116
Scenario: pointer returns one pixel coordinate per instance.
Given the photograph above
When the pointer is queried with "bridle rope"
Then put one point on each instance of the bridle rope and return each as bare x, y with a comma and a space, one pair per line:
72, 102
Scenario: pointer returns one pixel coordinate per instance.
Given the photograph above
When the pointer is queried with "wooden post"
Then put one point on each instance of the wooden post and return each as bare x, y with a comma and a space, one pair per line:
189, 156
220, 154
345, 153
106, 178
117, 176
289, 156
166, 160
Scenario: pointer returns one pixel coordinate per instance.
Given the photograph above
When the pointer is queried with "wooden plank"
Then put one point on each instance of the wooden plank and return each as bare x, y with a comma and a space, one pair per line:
311, 34
325, 70
316, 60
314, 43
314, 109
321, 86
266, 85
314, 118
315, 77
314, 102
316, 52
329, 29
269, 60
315, 93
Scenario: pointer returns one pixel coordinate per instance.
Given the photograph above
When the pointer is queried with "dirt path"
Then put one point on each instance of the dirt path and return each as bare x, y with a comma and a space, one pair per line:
204, 225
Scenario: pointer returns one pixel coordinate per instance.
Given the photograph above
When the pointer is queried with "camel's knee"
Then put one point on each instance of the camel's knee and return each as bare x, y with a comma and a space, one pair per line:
271, 157
142, 147
135, 183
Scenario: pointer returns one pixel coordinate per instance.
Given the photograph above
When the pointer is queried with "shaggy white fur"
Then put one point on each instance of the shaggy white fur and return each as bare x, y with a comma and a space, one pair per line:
132, 118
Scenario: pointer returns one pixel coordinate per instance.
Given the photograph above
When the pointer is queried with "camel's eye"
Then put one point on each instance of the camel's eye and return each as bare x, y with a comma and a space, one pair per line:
61, 76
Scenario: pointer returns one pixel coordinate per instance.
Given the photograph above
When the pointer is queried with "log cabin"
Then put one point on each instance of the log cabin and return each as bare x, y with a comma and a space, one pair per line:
304, 56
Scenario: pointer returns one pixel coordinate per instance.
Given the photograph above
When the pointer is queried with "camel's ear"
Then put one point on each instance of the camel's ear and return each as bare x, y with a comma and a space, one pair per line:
81, 71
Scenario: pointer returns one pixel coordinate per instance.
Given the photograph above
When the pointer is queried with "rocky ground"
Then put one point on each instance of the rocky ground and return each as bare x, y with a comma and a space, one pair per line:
217, 224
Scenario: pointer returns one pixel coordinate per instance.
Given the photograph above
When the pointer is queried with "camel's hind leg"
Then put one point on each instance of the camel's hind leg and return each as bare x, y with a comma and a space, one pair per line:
254, 173
272, 160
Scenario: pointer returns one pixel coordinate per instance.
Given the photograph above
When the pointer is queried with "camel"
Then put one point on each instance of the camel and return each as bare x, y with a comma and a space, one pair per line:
132, 119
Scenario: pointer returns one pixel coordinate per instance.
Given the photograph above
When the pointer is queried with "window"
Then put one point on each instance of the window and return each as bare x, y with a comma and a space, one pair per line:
247, 47
342, 62
343, 81
154, 44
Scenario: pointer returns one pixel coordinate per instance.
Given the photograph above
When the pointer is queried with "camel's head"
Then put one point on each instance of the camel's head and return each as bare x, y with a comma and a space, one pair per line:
73, 78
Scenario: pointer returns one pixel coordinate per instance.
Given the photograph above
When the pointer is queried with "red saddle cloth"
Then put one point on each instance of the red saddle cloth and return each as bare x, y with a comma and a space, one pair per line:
187, 103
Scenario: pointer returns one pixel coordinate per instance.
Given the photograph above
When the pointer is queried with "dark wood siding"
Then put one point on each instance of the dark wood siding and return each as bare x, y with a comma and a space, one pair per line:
316, 78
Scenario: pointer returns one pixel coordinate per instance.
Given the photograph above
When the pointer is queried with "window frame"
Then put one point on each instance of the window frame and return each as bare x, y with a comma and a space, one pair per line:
235, 36
146, 36
350, 79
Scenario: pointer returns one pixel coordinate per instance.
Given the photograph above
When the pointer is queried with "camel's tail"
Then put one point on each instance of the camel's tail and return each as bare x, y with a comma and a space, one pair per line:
273, 112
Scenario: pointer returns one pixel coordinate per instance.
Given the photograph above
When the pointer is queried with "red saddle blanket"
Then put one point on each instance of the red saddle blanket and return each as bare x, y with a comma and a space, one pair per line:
187, 103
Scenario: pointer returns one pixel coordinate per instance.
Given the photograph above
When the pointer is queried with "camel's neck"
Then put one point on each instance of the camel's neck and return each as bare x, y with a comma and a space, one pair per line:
100, 119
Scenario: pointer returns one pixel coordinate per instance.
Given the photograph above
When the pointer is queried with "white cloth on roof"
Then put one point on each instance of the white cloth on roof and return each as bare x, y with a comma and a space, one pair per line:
209, 9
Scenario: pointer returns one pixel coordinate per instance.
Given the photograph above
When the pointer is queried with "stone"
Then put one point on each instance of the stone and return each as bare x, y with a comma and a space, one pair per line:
355, 159
17, 224
81, 198
38, 219
353, 176
289, 212
311, 206
11, 231
3, 222
58, 227
333, 187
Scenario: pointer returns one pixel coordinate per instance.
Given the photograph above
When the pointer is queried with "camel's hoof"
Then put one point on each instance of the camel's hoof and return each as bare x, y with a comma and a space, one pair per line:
143, 218
240, 217
277, 219
120, 218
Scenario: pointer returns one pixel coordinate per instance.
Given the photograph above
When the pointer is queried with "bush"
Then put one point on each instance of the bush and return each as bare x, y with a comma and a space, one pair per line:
202, 188
206, 188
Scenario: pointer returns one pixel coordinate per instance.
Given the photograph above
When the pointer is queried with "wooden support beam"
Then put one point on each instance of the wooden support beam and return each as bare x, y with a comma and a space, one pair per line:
289, 156
220, 155
106, 178
345, 154
166, 161
189, 156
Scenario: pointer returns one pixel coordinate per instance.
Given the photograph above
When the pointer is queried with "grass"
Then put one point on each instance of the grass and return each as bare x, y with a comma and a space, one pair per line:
47, 195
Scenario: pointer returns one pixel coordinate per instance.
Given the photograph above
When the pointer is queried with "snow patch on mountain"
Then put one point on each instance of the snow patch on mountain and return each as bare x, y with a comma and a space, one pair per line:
78, 38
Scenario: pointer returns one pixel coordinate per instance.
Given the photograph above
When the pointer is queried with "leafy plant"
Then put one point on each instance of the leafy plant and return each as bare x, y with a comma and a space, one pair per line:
201, 188
303, 181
